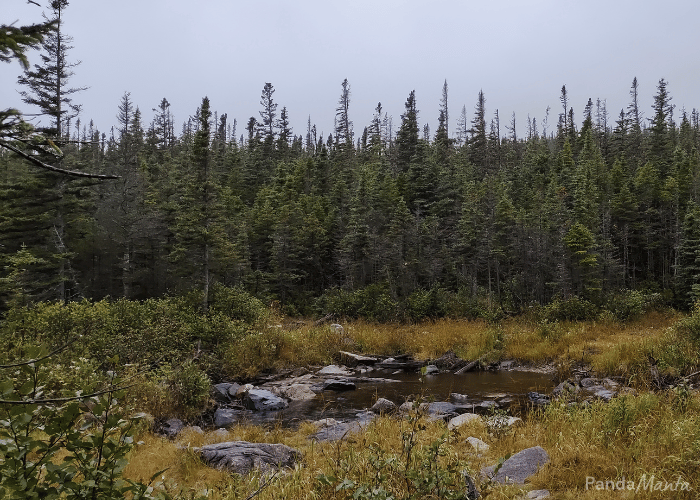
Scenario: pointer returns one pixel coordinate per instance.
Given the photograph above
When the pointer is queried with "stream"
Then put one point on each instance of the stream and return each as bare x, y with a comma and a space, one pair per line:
507, 387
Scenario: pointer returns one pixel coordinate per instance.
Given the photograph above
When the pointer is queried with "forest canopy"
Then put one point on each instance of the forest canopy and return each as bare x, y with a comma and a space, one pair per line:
593, 207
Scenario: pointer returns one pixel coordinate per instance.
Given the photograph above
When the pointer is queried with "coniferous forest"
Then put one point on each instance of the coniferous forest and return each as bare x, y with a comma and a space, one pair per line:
586, 203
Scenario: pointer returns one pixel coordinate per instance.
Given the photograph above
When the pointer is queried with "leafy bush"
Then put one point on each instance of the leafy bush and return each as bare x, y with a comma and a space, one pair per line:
690, 326
631, 304
92, 437
373, 303
571, 309
190, 386
236, 303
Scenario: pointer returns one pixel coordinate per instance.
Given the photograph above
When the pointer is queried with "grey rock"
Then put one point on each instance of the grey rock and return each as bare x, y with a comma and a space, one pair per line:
334, 370
226, 417
243, 390
537, 494
519, 467
334, 384
538, 399
432, 370
564, 389
478, 445
263, 400
472, 493
383, 406
459, 398
241, 457
462, 419
338, 329
295, 392
172, 427
224, 391
442, 408
589, 381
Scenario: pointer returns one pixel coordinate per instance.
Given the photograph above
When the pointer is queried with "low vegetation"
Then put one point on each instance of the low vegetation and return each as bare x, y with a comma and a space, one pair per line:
168, 354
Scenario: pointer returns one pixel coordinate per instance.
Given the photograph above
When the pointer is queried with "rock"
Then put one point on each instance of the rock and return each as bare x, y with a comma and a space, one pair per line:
335, 327
224, 391
241, 457
432, 370
462, 419
478, 445
519, 467
564, 389
226, 417
192, 428
263, 400
295, 392
471, 493
331, 429
383, 406
506, 365
538, 399
334, 370
172, 427
537, 494
442, 410
459, 398
334, 384
486, 406
358, 358
588, 382
243, 390
448, 361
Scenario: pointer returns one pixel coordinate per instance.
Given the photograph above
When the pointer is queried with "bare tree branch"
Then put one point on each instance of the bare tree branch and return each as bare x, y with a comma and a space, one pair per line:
41, 164
62, 400
29, 362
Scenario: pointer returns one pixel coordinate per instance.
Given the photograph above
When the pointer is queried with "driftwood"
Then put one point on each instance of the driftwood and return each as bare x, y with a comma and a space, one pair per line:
368, 360
469, 367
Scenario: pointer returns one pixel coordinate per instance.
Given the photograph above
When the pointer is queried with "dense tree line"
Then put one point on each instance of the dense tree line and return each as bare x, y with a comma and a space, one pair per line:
586, 210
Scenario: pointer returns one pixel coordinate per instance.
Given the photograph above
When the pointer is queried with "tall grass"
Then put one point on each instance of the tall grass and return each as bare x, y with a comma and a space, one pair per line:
633, 436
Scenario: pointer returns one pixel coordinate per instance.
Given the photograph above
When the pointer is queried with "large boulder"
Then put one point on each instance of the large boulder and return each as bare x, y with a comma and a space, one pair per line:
262, 400
518, 468
241, 457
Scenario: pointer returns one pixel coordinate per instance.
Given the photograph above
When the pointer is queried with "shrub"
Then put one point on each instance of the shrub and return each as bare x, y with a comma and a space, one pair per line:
629, 305
235, 303
571, 309
190, 386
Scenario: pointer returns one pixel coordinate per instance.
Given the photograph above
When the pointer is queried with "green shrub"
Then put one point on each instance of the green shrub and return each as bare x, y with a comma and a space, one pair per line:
235, 303
629, 305
88, 430
190, 386
571, 309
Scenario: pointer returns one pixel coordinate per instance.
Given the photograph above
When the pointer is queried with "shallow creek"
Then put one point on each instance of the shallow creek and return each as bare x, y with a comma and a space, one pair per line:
508, 388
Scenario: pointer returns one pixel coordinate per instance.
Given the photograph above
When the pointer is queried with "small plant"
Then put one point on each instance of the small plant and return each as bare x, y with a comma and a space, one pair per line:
86, 429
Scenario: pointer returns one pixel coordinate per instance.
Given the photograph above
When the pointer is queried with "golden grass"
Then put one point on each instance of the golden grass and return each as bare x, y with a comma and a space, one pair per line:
652, 434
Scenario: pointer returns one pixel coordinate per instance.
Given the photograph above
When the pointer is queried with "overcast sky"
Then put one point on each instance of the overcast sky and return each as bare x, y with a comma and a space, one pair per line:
519, 53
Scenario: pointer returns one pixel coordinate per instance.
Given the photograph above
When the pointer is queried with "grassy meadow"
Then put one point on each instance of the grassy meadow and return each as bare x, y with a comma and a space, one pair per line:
169, 355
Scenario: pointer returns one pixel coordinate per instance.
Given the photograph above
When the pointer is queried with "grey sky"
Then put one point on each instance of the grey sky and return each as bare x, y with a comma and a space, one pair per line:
520, 53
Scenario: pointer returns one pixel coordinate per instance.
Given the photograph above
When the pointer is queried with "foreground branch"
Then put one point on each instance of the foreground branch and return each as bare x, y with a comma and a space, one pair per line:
46, 166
